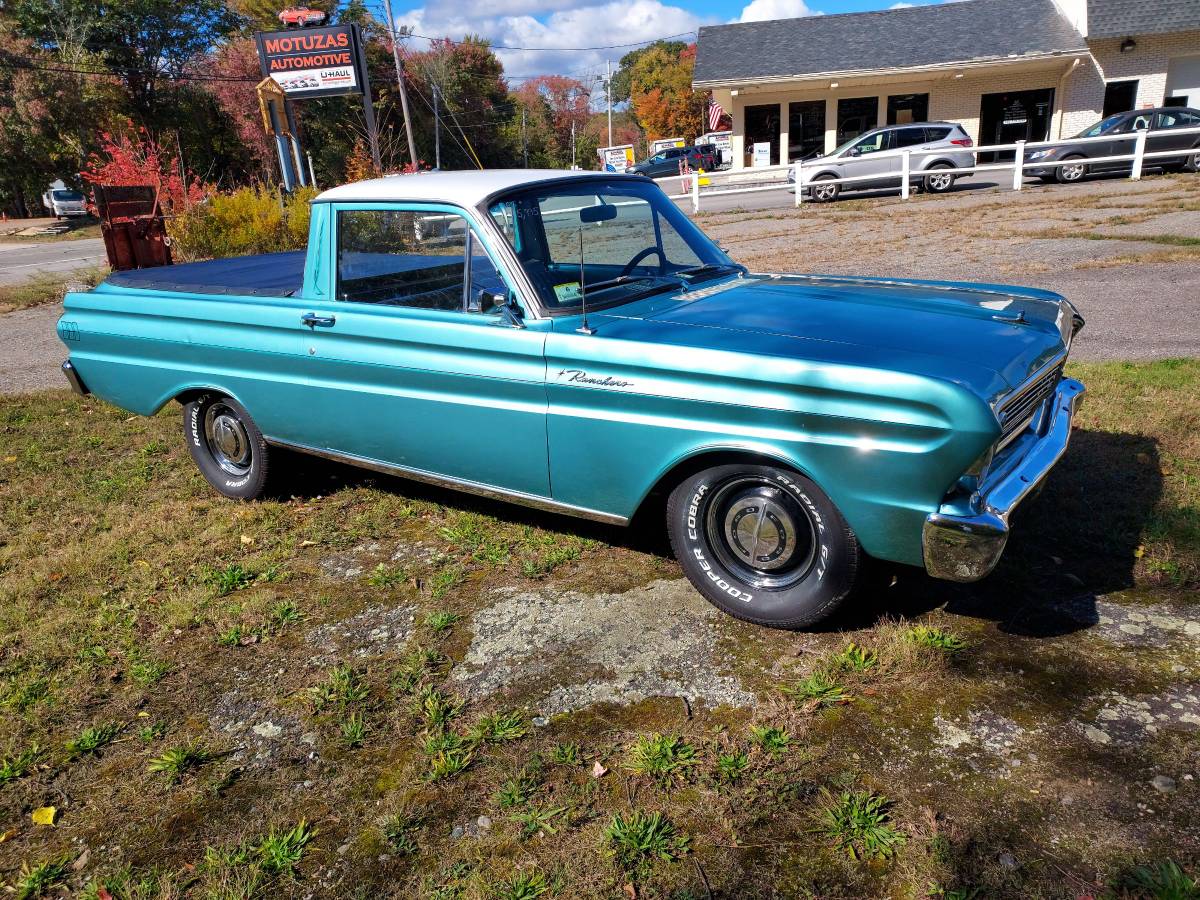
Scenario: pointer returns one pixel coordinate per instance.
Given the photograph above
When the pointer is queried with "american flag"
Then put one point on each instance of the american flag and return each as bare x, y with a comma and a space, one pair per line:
715, 114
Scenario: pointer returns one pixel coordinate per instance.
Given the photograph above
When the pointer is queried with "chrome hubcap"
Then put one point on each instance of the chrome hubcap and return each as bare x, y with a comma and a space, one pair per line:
760, 532
939, 182
825, 192
1071, 173
227, 439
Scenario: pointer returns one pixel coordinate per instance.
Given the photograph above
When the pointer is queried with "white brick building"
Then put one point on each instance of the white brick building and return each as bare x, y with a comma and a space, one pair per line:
1005, 69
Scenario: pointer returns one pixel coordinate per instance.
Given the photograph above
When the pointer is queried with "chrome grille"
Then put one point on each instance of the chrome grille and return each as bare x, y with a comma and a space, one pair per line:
1018, 410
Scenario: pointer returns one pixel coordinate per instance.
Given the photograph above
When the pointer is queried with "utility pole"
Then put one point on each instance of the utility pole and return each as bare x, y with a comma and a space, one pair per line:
437, 131
608, 97
572, 144
524, 139
391, 22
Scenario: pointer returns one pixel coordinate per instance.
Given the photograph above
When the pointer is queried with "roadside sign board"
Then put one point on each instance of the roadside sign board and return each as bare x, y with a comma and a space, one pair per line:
312, 62
762, 154
616, 159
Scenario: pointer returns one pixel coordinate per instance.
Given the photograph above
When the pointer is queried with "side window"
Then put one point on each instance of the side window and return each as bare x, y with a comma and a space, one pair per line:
872, 143
411, 258
936, 134
1177, 118
907, 137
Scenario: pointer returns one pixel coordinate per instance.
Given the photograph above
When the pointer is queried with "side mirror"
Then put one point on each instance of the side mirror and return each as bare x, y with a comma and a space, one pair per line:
854, 151
485, 301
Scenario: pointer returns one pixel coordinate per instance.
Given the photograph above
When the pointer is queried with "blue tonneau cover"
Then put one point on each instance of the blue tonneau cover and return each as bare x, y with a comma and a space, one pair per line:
267, 275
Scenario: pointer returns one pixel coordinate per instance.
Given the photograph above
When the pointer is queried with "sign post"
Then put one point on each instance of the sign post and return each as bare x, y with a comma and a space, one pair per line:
318, 62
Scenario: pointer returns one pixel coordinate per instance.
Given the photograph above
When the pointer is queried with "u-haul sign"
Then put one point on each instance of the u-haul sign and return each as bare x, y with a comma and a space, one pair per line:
312, 62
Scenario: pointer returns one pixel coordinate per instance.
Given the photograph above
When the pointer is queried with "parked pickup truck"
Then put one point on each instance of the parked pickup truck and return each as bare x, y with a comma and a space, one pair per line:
572, 341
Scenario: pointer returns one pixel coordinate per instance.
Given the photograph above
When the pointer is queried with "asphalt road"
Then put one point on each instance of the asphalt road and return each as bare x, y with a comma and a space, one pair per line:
20, 261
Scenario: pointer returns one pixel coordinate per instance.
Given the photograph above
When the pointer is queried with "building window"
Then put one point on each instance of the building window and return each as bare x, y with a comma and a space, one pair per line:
1014, 116
1119, 97
806, 129
855, 116
905, 108
762, 127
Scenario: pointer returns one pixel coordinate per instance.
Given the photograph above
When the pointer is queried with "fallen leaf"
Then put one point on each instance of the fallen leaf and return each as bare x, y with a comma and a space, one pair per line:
10, 459
81, 861
598, 770
4, 836
631, 890
44, 815
308, 543
1140, 551
103, 894
247, 540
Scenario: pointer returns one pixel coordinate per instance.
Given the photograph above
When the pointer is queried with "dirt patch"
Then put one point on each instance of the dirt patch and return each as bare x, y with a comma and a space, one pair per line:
657, 640
376, 631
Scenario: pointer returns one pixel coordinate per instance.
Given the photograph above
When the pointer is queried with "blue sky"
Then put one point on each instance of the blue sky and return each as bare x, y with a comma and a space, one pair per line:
575, 37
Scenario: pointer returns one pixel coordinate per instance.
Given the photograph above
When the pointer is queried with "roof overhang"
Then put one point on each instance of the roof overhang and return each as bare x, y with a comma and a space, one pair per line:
933, 71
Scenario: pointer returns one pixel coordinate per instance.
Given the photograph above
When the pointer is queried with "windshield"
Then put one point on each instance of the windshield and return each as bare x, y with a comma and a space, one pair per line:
635, 241
68, 195
1102, 126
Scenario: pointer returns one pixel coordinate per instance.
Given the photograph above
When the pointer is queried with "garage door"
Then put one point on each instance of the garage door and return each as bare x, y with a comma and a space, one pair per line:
1183, 80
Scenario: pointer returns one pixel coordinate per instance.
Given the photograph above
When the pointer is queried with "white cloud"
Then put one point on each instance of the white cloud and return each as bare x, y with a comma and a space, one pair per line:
600, 24
762, 10
902, 6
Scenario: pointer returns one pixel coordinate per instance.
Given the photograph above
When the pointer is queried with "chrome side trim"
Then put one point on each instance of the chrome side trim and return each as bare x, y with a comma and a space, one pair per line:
459, 484
965, 546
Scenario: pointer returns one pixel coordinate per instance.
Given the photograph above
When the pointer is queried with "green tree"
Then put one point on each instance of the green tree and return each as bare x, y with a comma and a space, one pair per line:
622, 86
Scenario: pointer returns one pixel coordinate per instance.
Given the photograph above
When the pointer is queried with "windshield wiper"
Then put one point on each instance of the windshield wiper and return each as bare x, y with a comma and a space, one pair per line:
708, 269
620, 279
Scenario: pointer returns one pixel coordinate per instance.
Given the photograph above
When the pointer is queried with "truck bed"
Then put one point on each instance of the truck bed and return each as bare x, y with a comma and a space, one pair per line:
265, 275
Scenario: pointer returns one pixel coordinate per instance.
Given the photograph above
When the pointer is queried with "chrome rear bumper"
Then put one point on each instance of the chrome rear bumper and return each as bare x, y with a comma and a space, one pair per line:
963, 545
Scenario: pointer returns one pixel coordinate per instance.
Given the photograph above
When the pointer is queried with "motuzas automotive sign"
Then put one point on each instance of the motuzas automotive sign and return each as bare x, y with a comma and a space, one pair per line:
312, 62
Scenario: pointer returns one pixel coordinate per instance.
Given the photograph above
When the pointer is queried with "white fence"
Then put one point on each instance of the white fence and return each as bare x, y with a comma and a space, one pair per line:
690, 187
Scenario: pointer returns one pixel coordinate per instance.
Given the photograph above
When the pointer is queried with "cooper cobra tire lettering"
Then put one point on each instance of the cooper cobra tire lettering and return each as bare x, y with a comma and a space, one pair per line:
810, 595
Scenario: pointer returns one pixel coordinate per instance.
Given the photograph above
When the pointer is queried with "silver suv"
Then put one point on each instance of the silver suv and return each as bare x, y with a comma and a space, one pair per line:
934, 146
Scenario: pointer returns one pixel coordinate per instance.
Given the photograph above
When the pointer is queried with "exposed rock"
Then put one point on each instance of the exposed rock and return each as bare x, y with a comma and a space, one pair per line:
375, 631
1164, 784
656, 640
1130, 720
983, 740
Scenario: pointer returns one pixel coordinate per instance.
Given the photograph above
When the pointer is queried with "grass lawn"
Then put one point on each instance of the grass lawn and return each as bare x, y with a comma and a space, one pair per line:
46, 287
224, 700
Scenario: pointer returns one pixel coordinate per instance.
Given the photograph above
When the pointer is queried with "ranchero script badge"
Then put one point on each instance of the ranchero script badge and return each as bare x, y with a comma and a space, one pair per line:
578, 376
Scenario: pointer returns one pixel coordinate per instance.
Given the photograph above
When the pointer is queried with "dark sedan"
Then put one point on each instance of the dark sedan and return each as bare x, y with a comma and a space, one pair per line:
1162, 125
666, 162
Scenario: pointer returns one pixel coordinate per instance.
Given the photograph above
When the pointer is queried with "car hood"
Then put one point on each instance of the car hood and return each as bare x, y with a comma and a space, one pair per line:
990, 337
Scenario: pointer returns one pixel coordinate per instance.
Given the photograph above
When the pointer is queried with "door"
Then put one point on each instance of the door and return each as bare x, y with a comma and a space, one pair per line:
412, 363
1164, 135
869, 156
1119, 97
1122, 144
1012, 116
912, 139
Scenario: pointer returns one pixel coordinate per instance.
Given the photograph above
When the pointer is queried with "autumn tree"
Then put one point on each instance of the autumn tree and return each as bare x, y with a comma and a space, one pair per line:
661, 92
622, 86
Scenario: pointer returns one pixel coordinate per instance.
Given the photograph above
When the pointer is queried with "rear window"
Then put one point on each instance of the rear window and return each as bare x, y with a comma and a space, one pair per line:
938, 134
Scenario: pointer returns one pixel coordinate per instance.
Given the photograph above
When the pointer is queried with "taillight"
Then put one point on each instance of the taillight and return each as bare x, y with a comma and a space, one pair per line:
963, 142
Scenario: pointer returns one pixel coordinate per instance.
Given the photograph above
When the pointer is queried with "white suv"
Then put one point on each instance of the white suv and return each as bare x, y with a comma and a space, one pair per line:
934, 146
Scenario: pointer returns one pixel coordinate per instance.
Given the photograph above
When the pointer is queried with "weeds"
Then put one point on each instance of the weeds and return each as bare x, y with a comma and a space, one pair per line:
662, 757
18, 766
858, 823
1161, 881
228, 580
499, 728
36, 881
444, 580
538, 819
94, 738
854, 659
280, 851
641, 838
285, 613
399, 831
935, 639
148, 672
386, 576
354, 731
567, 754
522, 886
181, 759
817, 690
341, 688
774, 741
438, 622
517, 791
731, 767
435, 707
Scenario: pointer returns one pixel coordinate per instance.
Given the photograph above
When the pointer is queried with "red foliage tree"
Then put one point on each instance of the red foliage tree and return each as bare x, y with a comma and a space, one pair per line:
238, 59
137, 160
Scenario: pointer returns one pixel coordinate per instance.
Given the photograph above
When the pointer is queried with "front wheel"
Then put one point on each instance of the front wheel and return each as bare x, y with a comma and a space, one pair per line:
763, 544
227, 446
1192, 163
1072, 171
823, 191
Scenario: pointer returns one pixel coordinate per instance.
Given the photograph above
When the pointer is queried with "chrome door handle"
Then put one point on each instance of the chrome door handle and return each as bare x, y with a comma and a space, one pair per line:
312, 320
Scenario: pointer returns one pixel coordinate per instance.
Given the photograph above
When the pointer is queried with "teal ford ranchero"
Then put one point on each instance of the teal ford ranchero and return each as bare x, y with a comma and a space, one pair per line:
571, 341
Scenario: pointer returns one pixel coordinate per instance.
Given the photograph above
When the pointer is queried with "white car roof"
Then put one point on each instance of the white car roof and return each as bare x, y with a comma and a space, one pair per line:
465, 188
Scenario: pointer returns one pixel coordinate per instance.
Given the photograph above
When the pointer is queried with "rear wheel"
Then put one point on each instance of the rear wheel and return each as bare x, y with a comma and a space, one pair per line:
1193, 162
227, 446
763, 543
1075, 169
939, 182
822, 190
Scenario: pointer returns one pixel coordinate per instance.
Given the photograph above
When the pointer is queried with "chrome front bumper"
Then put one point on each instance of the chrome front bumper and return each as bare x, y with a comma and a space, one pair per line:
965, 545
